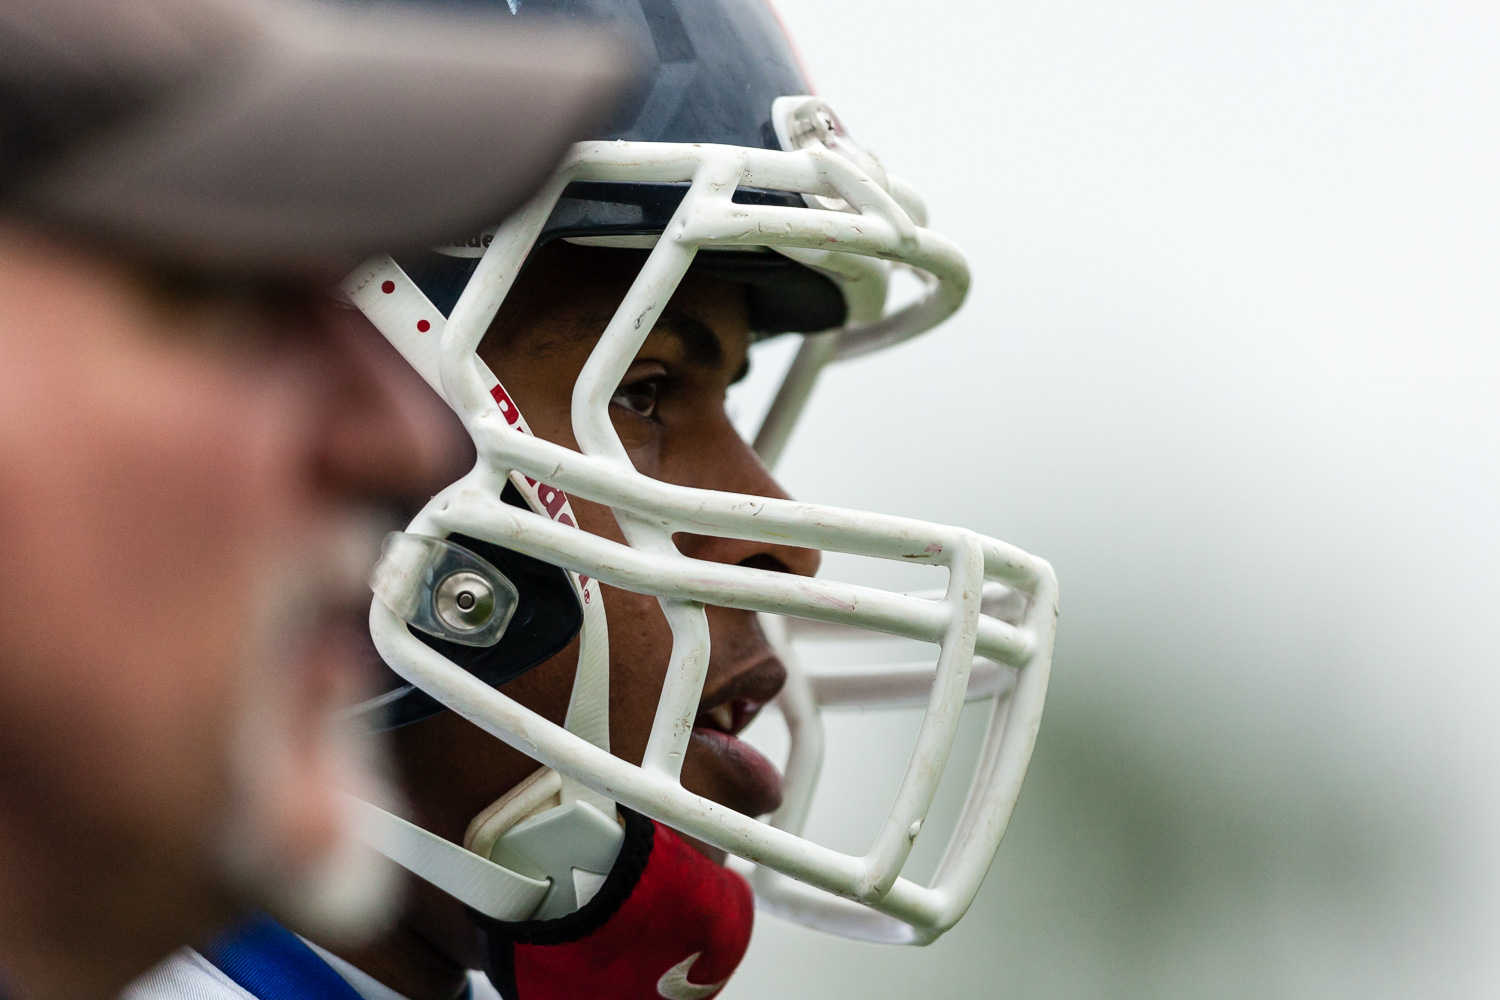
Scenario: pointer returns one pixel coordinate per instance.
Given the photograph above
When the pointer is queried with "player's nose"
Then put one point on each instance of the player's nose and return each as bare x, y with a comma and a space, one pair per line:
734, 467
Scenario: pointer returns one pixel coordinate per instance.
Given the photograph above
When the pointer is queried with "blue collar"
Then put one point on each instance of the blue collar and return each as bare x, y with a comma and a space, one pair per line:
272, 963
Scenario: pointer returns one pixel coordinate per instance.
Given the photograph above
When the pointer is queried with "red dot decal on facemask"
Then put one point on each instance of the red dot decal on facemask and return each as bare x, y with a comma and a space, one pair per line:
423, 326
388, 287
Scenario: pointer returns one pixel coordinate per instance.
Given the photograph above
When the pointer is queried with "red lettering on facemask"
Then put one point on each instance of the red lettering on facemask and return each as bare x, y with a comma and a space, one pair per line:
552, 499
506, 404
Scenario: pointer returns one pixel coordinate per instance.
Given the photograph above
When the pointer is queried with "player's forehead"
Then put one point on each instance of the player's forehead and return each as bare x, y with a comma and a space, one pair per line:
568, 295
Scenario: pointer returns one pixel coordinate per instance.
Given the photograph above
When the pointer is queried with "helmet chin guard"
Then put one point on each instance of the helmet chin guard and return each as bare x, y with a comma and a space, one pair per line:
993, 623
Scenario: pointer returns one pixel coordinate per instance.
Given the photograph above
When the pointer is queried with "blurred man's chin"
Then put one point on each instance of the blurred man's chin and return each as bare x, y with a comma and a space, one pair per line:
347, 895
328, 884
289, 842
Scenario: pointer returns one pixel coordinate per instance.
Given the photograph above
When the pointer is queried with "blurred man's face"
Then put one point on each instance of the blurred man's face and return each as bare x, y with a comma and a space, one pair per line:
186, 483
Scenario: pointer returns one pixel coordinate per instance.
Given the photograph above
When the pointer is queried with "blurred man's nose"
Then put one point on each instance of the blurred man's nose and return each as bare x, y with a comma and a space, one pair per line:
387, 436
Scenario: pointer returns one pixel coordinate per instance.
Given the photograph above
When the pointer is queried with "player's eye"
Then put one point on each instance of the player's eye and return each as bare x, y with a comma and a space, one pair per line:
638, 397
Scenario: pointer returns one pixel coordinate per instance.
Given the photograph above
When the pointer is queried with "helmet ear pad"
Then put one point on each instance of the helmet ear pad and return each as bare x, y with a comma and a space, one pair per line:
546, 619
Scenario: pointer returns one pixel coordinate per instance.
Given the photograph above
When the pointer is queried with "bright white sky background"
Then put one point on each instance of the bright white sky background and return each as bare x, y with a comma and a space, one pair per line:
1232, 363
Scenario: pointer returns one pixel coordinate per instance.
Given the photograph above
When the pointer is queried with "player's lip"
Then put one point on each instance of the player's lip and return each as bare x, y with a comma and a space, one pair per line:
734, 703
748, 783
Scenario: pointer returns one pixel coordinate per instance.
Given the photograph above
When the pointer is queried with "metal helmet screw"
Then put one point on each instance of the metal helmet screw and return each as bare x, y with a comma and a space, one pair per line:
464, 601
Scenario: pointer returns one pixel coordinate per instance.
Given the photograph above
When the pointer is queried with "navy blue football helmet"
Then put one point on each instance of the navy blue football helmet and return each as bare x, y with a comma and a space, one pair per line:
720, 162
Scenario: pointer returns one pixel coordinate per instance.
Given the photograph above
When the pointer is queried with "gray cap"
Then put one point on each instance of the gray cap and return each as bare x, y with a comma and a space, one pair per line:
276, 134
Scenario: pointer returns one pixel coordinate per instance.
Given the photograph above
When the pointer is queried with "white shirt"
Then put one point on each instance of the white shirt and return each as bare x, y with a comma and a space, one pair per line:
187, 975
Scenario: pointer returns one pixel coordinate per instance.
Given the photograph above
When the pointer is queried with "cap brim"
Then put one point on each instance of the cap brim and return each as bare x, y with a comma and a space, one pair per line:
336, 133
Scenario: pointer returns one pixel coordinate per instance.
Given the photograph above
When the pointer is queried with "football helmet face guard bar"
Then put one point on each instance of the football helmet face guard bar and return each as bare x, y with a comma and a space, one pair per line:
869, 227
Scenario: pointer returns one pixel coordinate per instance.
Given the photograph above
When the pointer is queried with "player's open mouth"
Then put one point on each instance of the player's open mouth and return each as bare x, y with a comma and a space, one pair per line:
729, 716
722, 715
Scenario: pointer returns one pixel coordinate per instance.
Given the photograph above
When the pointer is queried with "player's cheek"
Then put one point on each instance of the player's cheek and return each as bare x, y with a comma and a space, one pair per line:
640, 649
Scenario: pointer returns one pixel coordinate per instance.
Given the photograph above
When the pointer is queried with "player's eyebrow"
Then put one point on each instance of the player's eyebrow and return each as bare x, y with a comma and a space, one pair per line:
700, 344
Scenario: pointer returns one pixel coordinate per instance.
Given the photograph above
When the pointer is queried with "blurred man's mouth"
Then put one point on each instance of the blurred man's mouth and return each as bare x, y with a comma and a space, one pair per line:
749, 783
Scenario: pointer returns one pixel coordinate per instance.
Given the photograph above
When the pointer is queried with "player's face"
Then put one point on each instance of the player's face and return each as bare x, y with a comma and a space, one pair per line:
669, 413
185, 479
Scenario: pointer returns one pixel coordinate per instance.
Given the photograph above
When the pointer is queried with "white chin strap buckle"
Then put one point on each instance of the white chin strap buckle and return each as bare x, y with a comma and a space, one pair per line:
573, 845
540, 831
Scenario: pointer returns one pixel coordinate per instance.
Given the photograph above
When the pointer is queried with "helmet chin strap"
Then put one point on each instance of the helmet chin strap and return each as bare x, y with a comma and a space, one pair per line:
543, 849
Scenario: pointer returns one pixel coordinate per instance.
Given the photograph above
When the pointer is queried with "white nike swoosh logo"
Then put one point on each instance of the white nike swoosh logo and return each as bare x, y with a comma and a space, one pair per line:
674, 985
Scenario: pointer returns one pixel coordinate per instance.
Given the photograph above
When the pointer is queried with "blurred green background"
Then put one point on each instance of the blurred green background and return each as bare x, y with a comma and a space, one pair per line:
1232, 363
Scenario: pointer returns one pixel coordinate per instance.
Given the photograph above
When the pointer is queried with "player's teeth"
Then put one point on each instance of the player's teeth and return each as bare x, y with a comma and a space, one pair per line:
723, 716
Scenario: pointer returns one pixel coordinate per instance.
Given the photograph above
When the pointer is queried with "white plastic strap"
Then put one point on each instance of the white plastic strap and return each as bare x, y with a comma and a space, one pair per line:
474, 881
408, 319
